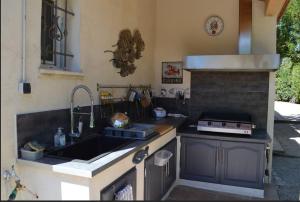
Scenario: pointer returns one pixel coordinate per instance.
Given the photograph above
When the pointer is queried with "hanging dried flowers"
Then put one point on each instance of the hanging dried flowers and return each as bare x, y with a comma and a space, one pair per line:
129, 49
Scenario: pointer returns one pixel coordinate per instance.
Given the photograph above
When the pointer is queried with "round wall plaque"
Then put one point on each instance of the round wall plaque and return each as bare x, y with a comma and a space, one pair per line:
214, 25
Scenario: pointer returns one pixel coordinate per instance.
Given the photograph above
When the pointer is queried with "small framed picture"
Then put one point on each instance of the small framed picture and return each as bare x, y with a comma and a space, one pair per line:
172, 72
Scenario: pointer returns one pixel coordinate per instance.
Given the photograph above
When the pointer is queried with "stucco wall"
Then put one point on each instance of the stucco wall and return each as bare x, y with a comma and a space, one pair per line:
180, 31
100, 23
170, 28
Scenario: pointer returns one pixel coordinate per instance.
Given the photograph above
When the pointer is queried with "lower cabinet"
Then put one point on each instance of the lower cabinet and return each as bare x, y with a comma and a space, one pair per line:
199, 159
242, 164
224, 162
129, 178
158, 179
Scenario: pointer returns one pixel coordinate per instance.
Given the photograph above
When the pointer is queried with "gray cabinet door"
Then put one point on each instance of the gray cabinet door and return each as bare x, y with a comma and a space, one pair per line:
199, 159
129, 178
153, 180
158, 179
242, 164
170, 170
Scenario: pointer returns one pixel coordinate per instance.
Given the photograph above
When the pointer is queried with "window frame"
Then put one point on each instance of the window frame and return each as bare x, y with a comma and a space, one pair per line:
60, 52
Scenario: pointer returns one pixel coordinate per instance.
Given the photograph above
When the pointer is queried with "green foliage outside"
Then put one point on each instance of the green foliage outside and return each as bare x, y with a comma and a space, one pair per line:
288, 46
296, 83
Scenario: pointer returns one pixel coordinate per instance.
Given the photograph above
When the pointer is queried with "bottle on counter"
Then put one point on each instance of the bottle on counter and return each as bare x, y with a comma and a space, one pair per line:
59, 138
62, 139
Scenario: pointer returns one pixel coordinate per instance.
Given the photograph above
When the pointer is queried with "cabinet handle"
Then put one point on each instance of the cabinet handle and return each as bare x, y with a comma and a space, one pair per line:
223, 155
218, 155
167, 168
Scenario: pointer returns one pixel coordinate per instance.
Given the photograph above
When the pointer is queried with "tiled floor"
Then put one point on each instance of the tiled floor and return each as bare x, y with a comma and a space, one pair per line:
185, 193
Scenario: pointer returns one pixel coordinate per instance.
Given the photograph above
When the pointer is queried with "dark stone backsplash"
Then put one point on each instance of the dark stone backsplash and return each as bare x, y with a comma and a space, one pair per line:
41, 126
172, 105
245, 92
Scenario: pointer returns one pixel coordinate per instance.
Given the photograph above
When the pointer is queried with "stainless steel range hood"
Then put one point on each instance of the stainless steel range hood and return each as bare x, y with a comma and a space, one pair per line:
245, 61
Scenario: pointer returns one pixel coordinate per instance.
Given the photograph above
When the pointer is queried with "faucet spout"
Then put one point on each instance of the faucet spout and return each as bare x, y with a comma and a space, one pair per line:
92, 125
92, 121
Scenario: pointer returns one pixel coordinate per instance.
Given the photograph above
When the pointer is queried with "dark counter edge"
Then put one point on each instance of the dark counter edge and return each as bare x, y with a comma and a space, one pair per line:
258, 136
139, 144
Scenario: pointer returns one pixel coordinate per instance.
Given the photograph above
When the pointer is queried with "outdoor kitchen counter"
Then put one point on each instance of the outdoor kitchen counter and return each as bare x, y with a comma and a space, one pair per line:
258, 135
163, 126
174, 122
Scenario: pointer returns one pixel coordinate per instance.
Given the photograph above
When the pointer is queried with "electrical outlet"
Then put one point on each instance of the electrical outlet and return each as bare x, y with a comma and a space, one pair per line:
24, 88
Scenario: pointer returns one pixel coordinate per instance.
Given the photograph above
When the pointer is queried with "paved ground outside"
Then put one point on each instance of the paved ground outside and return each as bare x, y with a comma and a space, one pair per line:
185, 193
285, 111
286, 158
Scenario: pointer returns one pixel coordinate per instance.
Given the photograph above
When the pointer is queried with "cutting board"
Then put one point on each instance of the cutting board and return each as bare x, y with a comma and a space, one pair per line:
163, 128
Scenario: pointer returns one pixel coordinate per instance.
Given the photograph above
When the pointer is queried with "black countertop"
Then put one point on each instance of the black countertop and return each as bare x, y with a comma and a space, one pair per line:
91, 169
75, 167
175, 122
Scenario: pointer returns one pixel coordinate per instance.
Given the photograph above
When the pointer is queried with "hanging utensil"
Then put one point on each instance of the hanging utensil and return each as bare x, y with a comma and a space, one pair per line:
131, 95
145, 99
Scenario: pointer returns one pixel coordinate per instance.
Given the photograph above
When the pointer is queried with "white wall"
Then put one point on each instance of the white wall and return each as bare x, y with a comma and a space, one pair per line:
100, 23
180, 31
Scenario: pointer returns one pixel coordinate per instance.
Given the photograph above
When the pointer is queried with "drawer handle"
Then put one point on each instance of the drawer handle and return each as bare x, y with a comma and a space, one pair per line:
140, 155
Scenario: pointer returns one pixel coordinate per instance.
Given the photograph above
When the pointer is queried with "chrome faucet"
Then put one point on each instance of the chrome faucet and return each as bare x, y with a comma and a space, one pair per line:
91, 114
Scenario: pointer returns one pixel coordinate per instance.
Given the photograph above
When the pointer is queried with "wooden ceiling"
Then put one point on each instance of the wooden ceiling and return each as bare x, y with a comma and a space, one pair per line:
275, 7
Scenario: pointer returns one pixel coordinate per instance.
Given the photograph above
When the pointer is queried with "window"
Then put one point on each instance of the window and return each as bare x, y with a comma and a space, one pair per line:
58, 31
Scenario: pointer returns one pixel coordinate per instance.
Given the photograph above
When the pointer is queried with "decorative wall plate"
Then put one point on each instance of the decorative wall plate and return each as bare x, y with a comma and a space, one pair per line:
214, 25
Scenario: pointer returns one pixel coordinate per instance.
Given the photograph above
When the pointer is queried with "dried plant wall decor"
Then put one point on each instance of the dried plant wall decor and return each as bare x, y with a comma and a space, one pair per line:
129, 49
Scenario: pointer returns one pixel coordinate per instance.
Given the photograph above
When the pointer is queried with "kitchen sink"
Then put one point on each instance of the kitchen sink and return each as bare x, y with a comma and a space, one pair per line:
90, 149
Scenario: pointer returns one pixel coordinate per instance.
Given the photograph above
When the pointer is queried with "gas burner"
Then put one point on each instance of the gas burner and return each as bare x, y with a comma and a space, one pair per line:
236, 123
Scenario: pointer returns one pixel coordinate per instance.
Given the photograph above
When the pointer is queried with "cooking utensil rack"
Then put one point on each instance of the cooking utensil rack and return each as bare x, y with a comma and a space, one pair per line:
99, 86
110, 101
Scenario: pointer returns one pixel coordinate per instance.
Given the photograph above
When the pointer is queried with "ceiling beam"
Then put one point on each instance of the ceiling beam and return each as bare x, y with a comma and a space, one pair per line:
275, 7
283, 9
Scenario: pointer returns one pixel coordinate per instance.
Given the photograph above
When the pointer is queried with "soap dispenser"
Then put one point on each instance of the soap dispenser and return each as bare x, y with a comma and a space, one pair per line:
59, 138
62, 138
56, 138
